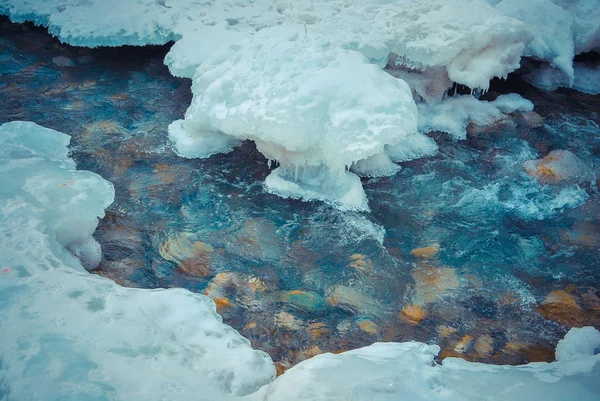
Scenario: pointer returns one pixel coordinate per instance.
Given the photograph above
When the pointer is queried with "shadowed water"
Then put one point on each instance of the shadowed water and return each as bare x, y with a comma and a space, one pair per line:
464, 249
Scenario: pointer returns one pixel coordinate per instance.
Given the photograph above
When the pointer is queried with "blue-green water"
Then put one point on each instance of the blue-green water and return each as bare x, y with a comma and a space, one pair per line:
302, 278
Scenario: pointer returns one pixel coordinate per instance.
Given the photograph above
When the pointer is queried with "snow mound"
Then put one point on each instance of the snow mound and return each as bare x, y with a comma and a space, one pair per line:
73, 335
314, 108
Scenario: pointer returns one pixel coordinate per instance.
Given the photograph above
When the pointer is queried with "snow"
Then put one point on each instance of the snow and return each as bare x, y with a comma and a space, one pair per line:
77, 336
562, 29
398, 371
73, 335
306, 104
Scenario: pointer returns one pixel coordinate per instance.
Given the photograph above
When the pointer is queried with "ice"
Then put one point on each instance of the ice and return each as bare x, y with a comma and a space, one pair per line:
398, 371
378, 165
578, 343
453, 114
587, 78
314, 108
553, 41
512, 102
191, 50
68, 334
415, 146
562, 29
303, 79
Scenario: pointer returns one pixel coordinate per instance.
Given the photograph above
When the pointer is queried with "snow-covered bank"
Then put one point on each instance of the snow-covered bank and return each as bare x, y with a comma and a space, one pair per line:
67, 334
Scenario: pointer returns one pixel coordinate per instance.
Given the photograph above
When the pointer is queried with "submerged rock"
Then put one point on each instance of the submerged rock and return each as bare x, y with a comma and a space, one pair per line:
353, 297
191, 256
445, 331
432, 283
361, 263
288, 321
412, 314
63, 61
368, 326
427, 252
463, 345
306, 300
500, 126
531, 119
484, 346
562, 307
557, 166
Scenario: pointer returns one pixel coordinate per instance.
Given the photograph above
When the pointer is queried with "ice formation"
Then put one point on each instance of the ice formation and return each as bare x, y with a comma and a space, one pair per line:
562, 29
68, 334
302, 103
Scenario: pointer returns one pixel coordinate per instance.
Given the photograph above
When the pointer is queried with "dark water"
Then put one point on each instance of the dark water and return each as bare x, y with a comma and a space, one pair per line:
508, 266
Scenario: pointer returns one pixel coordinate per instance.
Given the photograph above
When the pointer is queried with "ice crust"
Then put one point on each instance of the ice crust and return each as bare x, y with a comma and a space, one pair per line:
70, 335
302, 79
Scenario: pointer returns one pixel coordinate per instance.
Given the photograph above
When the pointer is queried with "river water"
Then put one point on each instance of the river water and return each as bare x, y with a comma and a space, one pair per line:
463, 249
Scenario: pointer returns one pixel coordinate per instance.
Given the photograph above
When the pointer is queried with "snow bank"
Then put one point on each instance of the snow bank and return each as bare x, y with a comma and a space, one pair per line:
406, 371
67, 334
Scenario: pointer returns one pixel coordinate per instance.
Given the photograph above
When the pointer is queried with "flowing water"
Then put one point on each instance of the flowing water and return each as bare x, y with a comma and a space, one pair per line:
463, 249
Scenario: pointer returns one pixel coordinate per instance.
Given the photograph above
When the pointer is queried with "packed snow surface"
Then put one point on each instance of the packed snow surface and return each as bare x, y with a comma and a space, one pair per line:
68, 334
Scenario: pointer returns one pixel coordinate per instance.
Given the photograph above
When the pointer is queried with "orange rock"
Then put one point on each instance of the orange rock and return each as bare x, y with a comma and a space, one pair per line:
537, 353
448, 353
368, 326
513, 347
427, 252
432, 283
463, 344
563, 308
412, 314
281, 367
557, 166
222, 303
249, 326
445, 331
256, 284
317, 330
361, 262
288, 321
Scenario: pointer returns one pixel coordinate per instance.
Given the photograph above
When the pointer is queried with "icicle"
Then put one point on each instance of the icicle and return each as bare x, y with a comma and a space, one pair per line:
296, 173
269, 163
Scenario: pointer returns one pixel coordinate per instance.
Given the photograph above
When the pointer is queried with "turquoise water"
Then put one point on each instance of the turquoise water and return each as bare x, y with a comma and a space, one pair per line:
300, 278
